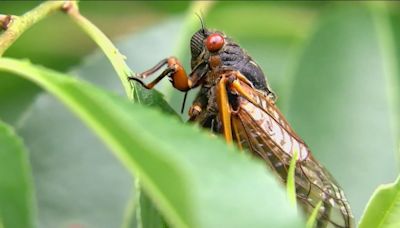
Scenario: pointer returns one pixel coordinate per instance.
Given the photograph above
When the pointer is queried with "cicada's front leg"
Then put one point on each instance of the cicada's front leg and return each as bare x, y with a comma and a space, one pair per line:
174, 71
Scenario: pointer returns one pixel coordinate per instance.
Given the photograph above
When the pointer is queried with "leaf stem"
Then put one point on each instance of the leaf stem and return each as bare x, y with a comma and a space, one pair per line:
112, 53
16, 26
19, 25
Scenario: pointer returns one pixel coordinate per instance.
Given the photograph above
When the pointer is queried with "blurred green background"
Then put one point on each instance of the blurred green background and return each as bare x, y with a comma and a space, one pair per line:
333, 65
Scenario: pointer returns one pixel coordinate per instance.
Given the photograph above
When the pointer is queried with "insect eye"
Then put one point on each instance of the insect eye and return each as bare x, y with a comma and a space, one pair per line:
214, 42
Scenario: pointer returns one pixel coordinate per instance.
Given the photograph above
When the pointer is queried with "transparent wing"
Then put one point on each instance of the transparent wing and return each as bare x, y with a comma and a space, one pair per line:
264, 131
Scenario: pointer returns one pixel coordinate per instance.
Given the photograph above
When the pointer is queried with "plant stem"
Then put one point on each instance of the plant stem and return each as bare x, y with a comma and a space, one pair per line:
112, 53
20, 24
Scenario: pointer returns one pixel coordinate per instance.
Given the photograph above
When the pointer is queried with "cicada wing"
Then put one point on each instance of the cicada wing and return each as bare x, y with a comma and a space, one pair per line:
335, 210
264, 131
249, 138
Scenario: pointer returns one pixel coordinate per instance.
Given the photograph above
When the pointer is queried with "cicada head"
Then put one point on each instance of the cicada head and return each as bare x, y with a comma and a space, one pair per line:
212, 50
203, 43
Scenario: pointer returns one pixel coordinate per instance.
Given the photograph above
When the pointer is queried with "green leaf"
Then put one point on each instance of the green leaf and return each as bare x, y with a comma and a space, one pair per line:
16, 190
132, 209
142, 212
290, 183
339, 103
22, 93
150, 216
153, 98
70, 164
313, 217
383, 209
98, 66
73, 170
194, 179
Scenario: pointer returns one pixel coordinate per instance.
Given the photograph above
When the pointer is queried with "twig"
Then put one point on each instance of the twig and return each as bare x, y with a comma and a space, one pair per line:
5, 21
112, 53
21, 24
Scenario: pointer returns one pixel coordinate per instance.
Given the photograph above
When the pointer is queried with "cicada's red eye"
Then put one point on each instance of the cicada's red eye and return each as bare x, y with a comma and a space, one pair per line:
214, 42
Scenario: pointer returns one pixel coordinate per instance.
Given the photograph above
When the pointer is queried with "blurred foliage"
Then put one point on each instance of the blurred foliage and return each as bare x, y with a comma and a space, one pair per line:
327, 61
16, 190
350, 119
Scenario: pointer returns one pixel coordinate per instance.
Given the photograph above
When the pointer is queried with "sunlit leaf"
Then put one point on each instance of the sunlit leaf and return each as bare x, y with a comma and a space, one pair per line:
383, 209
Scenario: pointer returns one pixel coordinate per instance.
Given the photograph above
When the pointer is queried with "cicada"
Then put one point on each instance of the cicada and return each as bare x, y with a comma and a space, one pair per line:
236, 101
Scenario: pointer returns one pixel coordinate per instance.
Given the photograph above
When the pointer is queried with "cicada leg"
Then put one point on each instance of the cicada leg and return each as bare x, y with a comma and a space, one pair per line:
230, 80
174, 71
224, 108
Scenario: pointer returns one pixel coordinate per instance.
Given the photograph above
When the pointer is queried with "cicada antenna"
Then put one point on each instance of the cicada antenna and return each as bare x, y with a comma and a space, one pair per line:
200, 16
